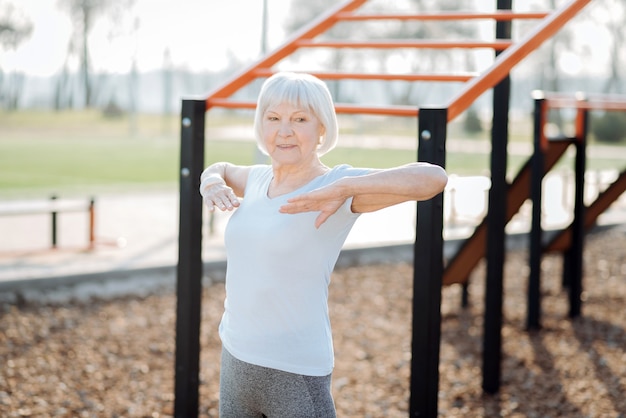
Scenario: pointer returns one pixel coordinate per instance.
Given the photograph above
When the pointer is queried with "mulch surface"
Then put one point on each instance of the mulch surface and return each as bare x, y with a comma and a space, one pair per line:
115, 358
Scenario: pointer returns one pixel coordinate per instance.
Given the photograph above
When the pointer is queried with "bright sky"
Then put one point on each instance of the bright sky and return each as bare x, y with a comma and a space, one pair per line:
199, 34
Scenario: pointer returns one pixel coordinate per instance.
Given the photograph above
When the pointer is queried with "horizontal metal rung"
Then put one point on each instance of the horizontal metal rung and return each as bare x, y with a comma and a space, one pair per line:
498, 15
230, 104
499, 45
409, 111
339, 108
572, 103
460, 77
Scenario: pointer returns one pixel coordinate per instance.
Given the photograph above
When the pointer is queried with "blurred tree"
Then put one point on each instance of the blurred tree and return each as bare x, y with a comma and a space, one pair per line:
604, 15
14, 28
609, 127
168, 78
548, 57
471, 122
84, 13
614, 15
303, 12
63, 92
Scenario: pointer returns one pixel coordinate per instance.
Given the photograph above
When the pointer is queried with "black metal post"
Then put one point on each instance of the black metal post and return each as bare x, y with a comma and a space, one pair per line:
428, 273
533, 315
189, 271
575, 252
496, 222
465, 294
53, 223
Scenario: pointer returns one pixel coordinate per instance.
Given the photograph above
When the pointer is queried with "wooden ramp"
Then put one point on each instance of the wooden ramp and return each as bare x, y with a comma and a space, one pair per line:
474, 248
562, 240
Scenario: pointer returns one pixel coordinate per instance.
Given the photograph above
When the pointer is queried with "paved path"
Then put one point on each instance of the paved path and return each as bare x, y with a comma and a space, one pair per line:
139, 231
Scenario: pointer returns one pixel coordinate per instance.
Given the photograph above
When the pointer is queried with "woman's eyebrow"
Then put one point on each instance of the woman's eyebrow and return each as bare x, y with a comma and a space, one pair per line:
291, 113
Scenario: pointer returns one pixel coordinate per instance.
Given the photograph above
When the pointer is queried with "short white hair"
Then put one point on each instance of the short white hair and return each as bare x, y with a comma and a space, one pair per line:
304, 91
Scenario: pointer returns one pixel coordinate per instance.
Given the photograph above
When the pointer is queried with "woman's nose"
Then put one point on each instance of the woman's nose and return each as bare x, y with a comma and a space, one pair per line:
285, 129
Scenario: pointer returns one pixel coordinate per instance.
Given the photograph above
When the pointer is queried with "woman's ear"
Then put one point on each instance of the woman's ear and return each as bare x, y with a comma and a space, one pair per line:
322, 133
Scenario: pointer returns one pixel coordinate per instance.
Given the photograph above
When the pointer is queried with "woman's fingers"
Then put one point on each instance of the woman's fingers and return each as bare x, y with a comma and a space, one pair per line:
321, 218
220, 197
209, 203
299, 206
305, 203
310, 202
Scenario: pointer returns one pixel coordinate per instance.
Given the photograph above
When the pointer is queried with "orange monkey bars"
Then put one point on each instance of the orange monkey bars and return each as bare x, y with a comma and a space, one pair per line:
512, 54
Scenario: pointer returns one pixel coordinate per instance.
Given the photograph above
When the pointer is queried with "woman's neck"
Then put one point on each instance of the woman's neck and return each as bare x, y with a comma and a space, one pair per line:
289, 178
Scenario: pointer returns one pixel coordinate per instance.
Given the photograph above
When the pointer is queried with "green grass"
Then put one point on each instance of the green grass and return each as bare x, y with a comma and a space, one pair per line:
32, 164
36, 163
83, 153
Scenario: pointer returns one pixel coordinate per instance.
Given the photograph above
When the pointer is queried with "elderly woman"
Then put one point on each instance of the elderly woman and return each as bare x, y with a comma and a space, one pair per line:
291, 220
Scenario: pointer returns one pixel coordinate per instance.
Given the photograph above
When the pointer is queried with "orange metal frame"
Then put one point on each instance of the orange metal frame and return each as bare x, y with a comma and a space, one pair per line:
511, 54
474, 247
561, 242
583, 104
590, 102
189, 268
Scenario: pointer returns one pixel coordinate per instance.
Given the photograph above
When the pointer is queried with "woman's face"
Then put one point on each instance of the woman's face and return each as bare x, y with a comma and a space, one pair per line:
291, 134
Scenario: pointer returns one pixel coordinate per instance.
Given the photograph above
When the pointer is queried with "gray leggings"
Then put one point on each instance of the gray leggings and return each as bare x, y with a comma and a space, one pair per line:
250, 391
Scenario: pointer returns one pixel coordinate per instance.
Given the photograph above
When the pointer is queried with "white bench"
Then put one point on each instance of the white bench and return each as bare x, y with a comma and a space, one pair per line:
54, 207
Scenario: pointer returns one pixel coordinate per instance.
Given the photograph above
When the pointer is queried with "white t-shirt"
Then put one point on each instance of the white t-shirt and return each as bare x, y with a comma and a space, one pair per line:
279, 267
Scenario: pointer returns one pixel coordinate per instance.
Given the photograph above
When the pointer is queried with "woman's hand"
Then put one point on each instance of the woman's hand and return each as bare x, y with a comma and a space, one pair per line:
219, 195
325, 200
221, 185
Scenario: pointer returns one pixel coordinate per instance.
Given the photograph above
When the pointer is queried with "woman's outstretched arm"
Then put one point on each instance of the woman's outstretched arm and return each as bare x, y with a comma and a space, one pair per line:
370, 192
